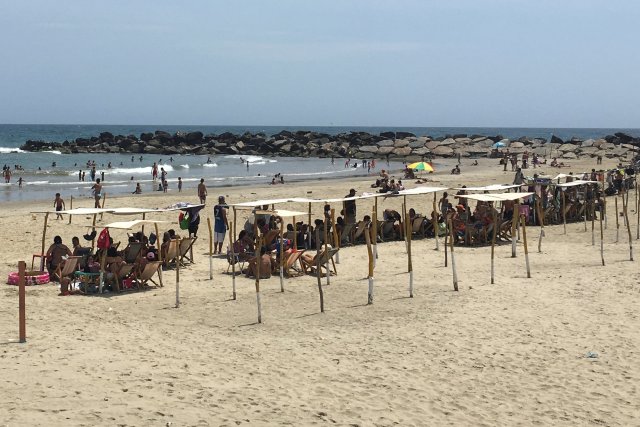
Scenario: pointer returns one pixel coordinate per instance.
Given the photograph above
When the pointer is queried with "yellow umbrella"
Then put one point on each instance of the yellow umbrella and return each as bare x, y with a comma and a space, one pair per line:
421, 166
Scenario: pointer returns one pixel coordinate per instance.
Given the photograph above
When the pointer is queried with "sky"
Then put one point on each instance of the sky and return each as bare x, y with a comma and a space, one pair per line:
502, 63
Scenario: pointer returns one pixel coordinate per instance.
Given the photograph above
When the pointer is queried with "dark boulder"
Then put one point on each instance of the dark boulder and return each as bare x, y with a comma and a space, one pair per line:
403, 135
106, 136
148, 136
556, 140
388, 135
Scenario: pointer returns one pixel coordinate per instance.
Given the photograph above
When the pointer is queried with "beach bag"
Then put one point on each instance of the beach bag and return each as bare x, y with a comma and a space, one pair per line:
183, 219
103, 239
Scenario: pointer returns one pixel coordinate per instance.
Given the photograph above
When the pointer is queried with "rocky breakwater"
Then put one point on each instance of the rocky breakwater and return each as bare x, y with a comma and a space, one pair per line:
357, 145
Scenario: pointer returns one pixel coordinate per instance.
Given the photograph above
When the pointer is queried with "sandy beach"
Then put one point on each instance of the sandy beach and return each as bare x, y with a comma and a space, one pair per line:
511, 353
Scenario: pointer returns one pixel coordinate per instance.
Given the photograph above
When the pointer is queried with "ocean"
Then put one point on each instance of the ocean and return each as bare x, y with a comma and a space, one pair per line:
42, 179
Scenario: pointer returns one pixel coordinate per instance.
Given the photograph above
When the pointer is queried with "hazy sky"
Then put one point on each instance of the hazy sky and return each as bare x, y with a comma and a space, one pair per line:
555, 63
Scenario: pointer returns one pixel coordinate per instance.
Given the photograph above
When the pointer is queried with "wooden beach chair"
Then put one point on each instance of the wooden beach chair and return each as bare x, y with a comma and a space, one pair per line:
234, 258
146, 275
309, 267
289, 264
123, 272
132, 251
185, 250
172, 253
359, 232
419, 226
67, 268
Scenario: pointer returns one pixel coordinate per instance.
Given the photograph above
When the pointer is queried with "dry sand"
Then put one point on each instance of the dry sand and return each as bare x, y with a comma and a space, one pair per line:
508, 354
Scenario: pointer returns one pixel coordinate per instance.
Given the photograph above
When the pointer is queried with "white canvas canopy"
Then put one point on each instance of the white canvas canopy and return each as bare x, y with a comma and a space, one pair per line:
282, 213
493, 187
134, 211
256, 203
421, 190
576, 183
78, 211
496, 197
129, 225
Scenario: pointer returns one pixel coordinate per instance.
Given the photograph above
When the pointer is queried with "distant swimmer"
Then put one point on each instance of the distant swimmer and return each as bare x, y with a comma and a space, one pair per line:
208, 159
241, 159
171, 159
53, 165
247, 165
20, 181
140, 158
132, 159
109, 165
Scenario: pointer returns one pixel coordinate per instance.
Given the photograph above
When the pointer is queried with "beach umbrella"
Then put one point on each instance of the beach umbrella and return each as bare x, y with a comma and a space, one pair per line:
499, 144
421, 166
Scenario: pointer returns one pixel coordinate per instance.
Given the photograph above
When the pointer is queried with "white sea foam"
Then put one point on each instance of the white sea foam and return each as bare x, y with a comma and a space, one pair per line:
7, 150
52, 152
210, 165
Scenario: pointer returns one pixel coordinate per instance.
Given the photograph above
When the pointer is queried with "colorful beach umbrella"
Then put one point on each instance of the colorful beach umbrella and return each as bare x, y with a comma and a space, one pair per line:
499, 144
421, 166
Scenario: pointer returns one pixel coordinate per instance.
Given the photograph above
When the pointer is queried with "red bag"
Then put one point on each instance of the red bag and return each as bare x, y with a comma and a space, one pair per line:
103, 239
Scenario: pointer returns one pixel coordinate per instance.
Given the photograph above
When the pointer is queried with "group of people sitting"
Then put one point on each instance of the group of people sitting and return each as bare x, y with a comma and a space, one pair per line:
385, 184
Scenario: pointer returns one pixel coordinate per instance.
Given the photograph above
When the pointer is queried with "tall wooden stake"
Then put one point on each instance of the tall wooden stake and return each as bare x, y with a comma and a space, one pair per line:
258, 262
336, 238
367, 237
493, 242
453, 260
617, 220
22, 267
210, 249
71, 207
233, 255
374, 219
178, 277
593, 222
446, 240
523, 222
282, 256
541, 219
159, 253
44, 236
320, 291
434, 220
626, 219
601, 233
409, 263
514, 227
326, 249
309, 225
564, 212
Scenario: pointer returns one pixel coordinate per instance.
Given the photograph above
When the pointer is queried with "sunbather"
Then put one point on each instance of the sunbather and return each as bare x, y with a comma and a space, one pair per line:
55, 254
266, 265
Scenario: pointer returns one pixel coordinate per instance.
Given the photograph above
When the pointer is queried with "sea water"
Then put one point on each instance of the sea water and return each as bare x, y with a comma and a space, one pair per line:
42, 180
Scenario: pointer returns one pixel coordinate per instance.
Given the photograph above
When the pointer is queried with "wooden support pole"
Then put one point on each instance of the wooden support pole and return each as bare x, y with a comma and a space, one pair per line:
210, 249
523, 222
514, 227
336, 238
541, 220
22, 310
617, 220
178, 277
453, 260
104, 200
367, 237
326, 248
233, 254
309, 228
71, 207
235, 228
409, 263
257, 272
493, 243
601, 232
103, 263
564, 212
434, 220
446, 240
93, 228
593, 222
626, 219
318, 278
44, 237
635, 181
374, 218
281, 256
159, 253
295, 234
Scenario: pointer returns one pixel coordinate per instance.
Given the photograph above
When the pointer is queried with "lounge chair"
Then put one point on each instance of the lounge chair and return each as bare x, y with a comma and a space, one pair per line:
146, 275
387, 230
420, 225
359, 233
123, 272
289, 264
346, 237
234, 258
185, 249
67, 268
172, 253
132, 251
323, 257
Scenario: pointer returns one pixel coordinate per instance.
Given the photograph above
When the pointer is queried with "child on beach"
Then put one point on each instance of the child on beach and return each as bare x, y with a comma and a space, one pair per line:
58, 203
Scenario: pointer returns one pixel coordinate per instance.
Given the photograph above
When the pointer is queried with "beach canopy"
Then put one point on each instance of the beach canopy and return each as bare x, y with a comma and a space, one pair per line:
421, 166
133, 211
78, 211
576, 183
180, 206
493, 187
421, 190
496, 197
129, 225
281, 212
256, 203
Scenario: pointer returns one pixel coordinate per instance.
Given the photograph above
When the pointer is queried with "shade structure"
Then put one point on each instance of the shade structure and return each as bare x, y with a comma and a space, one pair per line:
421, 166
129, 225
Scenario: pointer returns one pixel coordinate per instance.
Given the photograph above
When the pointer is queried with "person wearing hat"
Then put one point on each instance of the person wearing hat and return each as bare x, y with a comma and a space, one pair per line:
349, 207
220, 224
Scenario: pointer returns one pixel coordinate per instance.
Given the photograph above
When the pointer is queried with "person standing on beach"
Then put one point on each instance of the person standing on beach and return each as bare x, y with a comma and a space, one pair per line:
202, 191
518, 179
179, 184
83, 176
80, 175
58, 203
349, 207
20, 181
154, 171
97, 193
220, 224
